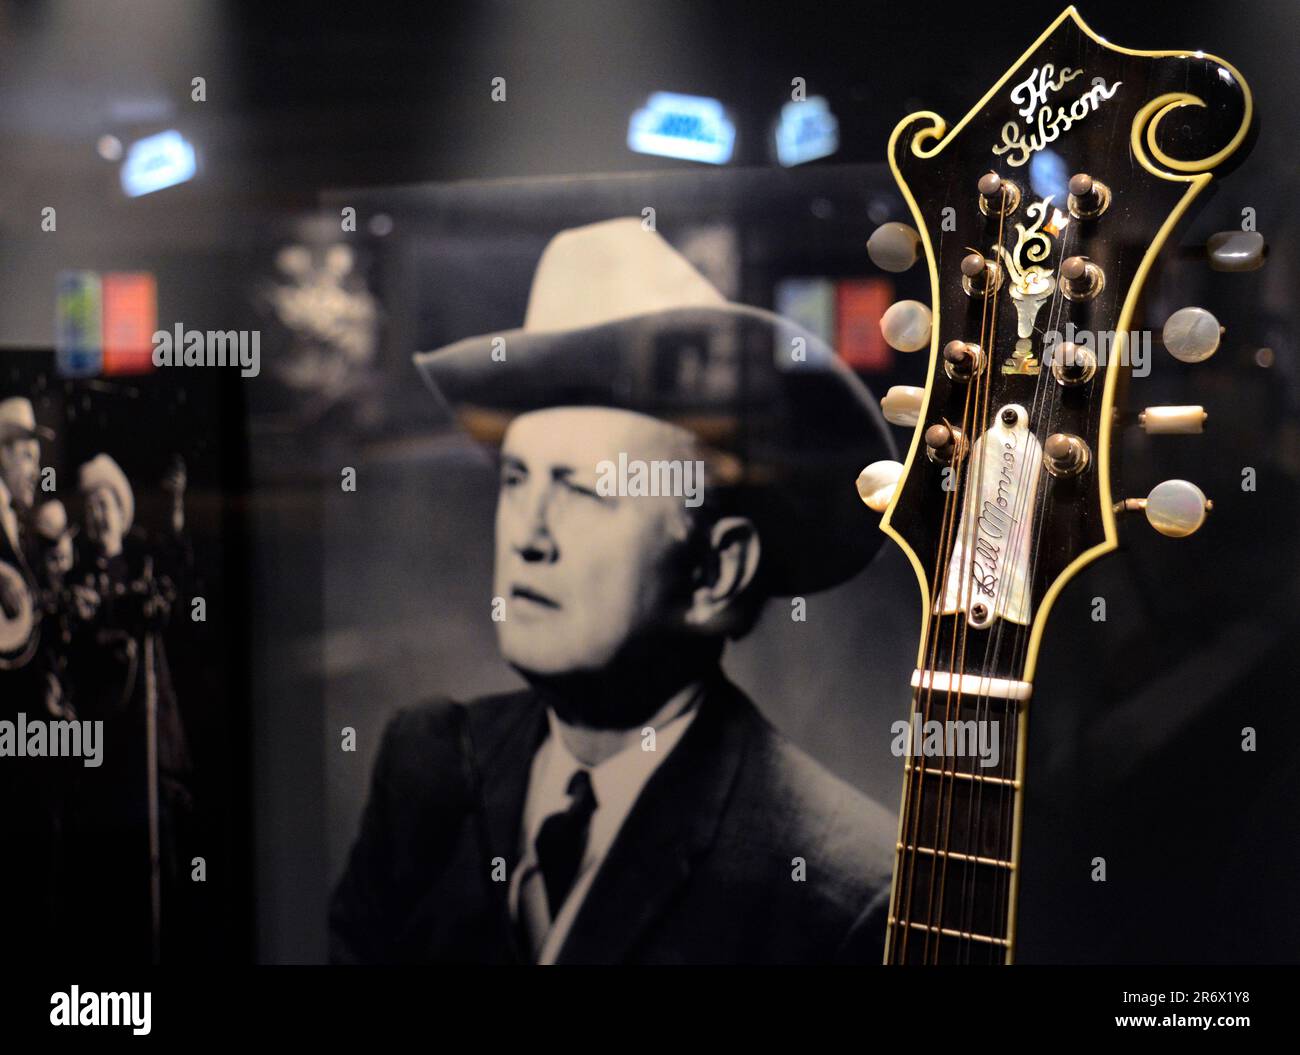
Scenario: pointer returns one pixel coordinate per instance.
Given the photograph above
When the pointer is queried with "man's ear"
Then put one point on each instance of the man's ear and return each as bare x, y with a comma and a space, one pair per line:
729, 568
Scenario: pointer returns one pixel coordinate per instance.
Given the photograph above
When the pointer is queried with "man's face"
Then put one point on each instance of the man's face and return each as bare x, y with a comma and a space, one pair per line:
584, 574
20, 464
104, 519
58, 557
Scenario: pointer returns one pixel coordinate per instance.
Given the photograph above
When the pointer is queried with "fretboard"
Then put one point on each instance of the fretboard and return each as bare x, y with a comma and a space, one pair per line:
957, 859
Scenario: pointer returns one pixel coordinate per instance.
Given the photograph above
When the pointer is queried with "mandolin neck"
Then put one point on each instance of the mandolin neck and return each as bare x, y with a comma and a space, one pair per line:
956, 870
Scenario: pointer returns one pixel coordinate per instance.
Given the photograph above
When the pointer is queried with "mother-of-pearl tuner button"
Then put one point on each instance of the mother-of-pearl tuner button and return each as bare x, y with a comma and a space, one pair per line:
894, 247
1176, 508
906, 325
876, 484
1192, 335
1236, 251
1172, 421
902, 404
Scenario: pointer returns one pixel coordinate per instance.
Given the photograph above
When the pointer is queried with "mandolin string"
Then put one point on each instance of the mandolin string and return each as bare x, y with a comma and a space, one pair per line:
916, 796
1041, 512
917, 773
984, 707
1019, 634
975, 484
952, 506
1041, 426
948, 778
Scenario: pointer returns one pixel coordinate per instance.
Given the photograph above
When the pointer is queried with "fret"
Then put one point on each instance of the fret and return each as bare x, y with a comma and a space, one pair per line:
958, 892
955, 855
948, 932
968, 817
956, 863
946, 949
962, 734
930, 771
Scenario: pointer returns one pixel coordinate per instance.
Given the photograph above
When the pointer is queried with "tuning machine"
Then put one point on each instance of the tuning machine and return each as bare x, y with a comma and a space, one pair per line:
906, 325
1081, 279
1173, 421
997, 195
944, 443
962, 360
1236, 251
1072, 364
1175, 508
1192, 335
894, 247
1088, 198
876, 484
979, 275
902, 405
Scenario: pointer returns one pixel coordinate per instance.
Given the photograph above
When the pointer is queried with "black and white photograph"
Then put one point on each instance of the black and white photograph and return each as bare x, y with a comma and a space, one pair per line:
607, 485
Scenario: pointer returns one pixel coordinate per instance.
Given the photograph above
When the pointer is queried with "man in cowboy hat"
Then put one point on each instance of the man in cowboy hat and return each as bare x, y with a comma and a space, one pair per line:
29, 817
20, 465
631, 804
118, 674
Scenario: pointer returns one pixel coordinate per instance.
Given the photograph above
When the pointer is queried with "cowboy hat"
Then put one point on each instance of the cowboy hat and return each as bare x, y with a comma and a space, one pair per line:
617, 317
18, 421
103, 471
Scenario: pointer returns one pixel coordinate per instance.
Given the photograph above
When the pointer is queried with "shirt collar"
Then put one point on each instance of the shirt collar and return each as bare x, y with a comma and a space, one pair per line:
616, 782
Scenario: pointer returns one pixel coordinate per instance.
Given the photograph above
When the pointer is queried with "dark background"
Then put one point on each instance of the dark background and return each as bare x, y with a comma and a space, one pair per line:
351, 605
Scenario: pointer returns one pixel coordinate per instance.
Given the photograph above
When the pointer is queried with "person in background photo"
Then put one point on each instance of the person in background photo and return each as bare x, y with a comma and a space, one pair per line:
30, 818
117, 671
631, 804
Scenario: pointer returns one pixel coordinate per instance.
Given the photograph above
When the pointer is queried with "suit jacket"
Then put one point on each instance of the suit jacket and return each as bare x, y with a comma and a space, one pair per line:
701, 871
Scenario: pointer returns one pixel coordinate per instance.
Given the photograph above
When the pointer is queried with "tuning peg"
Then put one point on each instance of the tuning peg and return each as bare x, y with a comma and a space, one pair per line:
962, 360
894, 247
1172, 421
1088, 197
906, 325
1236, 251
902, 404
1192, 335
1065, 454
1081, 279
1073, 364
876, 484
997, 195
944, 443
1175, 508
979, 274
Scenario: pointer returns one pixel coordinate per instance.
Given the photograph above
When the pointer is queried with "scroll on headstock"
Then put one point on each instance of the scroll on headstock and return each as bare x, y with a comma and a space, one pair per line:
1040, 214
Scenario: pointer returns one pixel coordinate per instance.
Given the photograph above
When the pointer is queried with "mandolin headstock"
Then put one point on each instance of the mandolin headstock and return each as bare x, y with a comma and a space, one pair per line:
1039, 215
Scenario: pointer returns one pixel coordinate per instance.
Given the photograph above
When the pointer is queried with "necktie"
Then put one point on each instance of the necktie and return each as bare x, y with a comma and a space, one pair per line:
562, 840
